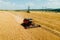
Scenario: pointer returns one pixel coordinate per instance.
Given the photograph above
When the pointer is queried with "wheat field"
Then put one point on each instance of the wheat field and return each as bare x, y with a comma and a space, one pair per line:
10, 28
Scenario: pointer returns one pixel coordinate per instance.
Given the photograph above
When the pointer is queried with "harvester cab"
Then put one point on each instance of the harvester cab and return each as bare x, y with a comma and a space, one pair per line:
28, 23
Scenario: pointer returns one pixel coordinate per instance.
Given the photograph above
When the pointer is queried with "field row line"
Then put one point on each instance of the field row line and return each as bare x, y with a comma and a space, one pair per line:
51, 30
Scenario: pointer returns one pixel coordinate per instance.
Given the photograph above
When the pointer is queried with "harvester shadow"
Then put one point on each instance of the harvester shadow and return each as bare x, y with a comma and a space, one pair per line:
34, 27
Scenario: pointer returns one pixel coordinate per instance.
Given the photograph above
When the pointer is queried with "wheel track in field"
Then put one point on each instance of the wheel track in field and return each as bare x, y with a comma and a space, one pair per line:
52, 31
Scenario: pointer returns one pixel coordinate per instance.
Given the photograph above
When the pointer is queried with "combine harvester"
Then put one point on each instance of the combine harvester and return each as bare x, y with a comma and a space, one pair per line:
28, 23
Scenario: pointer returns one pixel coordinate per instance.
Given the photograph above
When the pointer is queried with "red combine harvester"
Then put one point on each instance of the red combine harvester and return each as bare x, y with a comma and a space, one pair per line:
28, 23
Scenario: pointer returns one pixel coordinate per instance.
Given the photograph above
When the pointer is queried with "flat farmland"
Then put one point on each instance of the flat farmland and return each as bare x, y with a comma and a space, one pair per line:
10, 28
